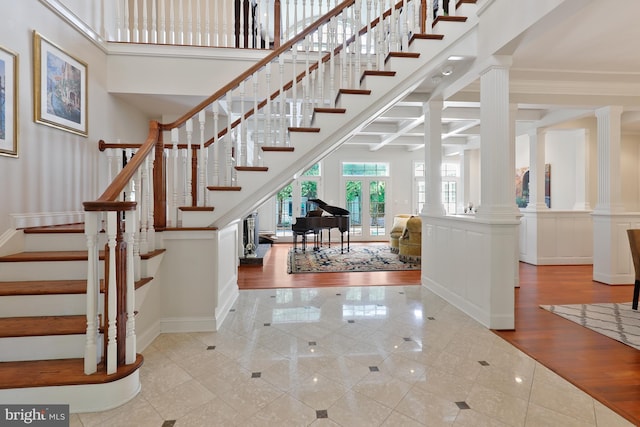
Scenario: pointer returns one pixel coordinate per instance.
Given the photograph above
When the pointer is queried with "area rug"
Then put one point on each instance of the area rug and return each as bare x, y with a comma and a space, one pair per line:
615, 320
358, 258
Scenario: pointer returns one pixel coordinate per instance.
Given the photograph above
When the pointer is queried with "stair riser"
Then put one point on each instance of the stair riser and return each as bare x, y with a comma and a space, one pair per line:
57, 242
44, 270
46, 347
43, 305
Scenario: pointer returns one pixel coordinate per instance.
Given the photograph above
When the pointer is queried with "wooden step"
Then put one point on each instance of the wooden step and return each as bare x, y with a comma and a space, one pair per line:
329, 110
223, 188
426, 37
42, 326
282, 149
196, 208
376, 73
447, 18
304, 129
251, 168
48, 256
401, 55
64, 228
43, 287
58, 372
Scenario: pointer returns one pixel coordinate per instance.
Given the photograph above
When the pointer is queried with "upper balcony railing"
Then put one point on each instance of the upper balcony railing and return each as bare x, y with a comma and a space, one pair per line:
254, 24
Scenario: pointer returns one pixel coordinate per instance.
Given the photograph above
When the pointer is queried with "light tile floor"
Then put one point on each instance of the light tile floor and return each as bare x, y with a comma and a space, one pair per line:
359, 356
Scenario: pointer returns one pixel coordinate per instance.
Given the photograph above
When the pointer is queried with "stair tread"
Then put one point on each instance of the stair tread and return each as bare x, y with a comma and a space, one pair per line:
31, 326
53, 287
58, 372
47, 256
43, 287
269, 148
64, 228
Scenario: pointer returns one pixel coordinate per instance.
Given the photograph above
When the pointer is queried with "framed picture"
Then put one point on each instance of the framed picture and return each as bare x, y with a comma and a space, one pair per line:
8, 103
60, 87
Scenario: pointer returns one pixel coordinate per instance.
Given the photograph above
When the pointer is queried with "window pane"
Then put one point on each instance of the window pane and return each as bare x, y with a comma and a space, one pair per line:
309, 190
365, 169
284, 211
354, 206
313, 170
377, 206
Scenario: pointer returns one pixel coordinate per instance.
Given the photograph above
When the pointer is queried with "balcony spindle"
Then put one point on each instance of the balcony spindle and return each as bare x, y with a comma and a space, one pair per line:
187, 159
203, 162
216, 147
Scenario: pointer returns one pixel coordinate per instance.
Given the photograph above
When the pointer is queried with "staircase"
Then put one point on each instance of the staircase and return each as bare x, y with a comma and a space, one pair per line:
42, 298
43, 326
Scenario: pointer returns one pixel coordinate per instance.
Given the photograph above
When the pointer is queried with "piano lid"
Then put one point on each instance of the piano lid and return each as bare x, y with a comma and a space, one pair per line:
333, 210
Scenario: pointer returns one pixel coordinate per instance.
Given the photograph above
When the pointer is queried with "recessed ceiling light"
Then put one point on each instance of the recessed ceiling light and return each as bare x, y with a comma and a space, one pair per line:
447, 71
455, 58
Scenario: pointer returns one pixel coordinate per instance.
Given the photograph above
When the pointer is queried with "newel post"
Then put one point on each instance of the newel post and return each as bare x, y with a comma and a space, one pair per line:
159, 182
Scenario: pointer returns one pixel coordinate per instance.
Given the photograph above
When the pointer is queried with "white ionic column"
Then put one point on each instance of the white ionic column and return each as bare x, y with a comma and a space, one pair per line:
497, 154
433, 158
537, 141
611, 254
609, 174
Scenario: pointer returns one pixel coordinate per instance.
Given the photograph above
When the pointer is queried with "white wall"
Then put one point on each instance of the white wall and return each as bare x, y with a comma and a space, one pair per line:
629, 167
56, 170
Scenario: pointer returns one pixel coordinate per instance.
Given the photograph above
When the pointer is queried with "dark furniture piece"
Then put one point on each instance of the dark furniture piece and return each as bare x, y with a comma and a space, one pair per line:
634, 243
315, 224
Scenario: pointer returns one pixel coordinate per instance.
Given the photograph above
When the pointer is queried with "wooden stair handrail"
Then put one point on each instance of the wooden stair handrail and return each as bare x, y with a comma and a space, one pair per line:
277, 52
114, 190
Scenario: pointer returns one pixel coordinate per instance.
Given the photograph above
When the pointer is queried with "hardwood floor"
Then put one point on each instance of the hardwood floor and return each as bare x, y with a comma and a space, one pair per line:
604, 368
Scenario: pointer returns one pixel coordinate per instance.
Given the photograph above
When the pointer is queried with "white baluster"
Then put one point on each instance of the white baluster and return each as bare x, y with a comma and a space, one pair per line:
172, 24
429, 24
286, 28
202, 162
144, 207
151, 233
130, 327
242, 143
180, 22
91, 229
268, 137
162, 24
135, 248
332, 60
112, 346
283, 105
127, 24
145, 22
416, 17
207, 25
198, 39
256, 133
229, 140
358, 43
295, 18
188, 159
154, 22
368, 36
136, 33
294, 98
225, 30
306, 114
189, 23
119, 23
174, 200
216, 149
242, 25
267, 34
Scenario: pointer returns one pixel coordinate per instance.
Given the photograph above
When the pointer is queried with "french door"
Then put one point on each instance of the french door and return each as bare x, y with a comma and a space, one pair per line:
365, 199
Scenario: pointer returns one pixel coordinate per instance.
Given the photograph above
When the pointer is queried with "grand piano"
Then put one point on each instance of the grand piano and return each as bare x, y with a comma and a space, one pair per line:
315, 224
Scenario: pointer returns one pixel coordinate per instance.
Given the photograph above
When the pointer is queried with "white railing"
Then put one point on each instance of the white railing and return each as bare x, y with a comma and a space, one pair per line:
226, 23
